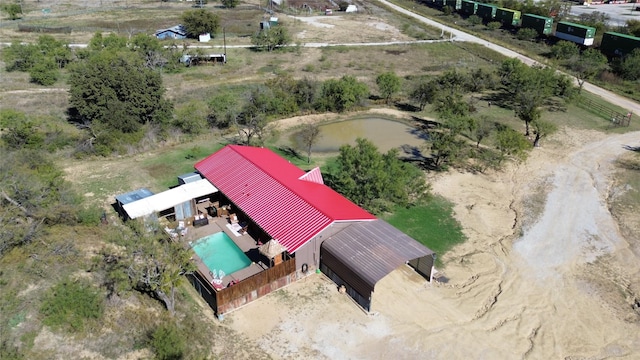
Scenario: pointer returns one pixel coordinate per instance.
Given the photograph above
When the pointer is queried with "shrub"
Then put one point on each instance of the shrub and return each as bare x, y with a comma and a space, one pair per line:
167, 342
494, 25
527, 34
44, 73
70, 303
474, 20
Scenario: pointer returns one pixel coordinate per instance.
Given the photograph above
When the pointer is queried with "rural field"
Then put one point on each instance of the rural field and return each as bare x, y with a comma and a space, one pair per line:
549, 268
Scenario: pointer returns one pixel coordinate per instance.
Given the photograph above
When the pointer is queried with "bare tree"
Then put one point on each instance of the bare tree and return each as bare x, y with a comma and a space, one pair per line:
310, 134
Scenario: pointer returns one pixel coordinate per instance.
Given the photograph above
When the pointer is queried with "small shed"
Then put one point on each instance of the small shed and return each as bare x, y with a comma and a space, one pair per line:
189, 177
204, 37
130, 197
175, 32
351, 9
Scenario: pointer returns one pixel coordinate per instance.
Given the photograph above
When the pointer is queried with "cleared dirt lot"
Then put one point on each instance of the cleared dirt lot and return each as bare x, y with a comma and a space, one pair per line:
562, 287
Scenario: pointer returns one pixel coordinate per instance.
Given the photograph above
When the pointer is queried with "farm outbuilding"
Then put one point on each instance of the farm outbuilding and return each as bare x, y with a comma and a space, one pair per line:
175, 32
362, 254
313, 224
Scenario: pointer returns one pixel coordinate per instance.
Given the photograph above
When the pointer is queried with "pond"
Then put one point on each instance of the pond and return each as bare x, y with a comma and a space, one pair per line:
385, 134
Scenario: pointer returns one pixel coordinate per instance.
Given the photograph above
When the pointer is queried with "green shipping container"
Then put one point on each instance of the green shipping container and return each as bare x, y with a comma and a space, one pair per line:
469, 7
454, 4
440, 3
508, 16
542, 24
616, 44
580, 34
487, 12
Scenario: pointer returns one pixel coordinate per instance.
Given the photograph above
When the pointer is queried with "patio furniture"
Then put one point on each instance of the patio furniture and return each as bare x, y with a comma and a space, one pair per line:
233, 218
200, 220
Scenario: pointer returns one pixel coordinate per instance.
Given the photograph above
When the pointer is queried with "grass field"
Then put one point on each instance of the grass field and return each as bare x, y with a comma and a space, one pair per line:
431, 224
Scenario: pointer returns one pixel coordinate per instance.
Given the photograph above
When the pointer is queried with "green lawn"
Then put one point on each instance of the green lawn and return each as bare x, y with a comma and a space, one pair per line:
432, 225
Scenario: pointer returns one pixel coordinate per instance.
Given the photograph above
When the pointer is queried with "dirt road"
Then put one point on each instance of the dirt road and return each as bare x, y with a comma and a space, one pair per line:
623, 102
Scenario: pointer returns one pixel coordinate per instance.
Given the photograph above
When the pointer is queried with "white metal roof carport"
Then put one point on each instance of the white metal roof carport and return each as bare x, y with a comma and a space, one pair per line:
169, 198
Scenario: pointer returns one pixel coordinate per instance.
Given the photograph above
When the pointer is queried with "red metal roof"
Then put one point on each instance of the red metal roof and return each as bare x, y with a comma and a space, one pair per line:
275, 194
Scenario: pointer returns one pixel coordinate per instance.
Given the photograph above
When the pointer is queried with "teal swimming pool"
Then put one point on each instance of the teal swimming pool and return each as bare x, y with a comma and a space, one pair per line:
219, 252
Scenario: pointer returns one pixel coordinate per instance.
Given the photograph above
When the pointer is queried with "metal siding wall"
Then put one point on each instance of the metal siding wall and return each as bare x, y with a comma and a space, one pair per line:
423, 266
344, 272
363, 301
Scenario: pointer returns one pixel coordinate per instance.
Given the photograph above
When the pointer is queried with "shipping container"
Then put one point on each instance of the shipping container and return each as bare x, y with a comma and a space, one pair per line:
486, 12
440, 3
508, 16
469, 7
580, 34
616, 44
542, 24
454, 4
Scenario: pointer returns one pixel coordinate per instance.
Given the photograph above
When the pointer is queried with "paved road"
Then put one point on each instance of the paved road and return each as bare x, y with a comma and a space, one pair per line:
621, 101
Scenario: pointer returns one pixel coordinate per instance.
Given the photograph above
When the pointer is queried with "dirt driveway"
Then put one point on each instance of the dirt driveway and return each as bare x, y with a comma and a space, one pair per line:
560, 288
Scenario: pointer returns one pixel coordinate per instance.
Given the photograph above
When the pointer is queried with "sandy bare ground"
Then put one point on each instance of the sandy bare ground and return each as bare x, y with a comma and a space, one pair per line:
545, 274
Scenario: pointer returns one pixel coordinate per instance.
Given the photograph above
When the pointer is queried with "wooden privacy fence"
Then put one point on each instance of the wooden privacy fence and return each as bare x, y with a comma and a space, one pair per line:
255, 286
617, 118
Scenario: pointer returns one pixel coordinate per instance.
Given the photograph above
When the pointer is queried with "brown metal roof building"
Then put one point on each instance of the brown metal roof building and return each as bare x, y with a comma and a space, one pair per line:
363, 253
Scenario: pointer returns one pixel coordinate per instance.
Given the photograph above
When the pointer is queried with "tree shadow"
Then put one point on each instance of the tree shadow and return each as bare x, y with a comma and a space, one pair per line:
403, 106
631, 148
414, 155
289, 151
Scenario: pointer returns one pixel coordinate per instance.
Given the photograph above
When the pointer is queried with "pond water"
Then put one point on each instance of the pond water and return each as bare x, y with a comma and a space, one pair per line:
385, 134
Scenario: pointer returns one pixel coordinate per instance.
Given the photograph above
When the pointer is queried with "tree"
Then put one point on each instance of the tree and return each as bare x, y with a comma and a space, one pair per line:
512, 143
389, 84
542, 128
13, 10
150, 261
342, 95
191, 117
310, 134
376, 181
629, 67
200, 21
484, 127
224, 108
530, 87
633, 27
423, 92
445, 147
587, 65
114, 89
564, 50
230, 4
33, 195
271, 38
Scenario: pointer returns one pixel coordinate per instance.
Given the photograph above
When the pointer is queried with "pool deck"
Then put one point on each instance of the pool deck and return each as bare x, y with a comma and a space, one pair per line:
245, 242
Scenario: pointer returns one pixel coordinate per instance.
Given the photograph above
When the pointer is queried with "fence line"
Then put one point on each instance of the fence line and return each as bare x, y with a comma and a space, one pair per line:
617, 118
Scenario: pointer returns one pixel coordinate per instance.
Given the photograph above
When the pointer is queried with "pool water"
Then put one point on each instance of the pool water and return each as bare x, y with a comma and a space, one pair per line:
219, 252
